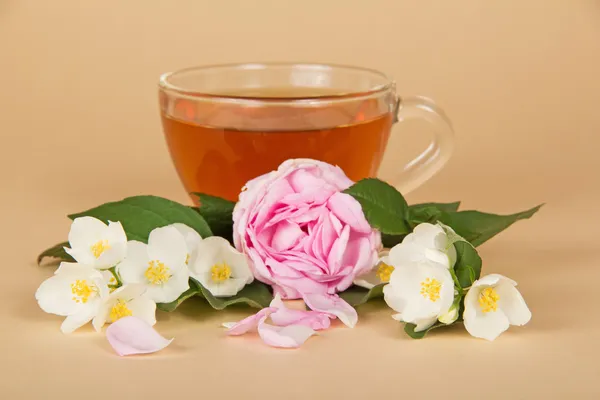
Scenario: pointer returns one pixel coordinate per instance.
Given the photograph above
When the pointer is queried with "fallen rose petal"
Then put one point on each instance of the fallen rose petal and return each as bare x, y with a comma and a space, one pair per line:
285, 316
291, 336
132, 335
249, 323
333, 304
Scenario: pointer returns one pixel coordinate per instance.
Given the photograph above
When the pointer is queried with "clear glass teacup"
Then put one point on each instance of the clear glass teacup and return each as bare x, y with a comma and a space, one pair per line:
227, 124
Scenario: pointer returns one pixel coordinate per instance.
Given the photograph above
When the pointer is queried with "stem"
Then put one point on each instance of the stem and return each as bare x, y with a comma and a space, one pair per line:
455, 279
113, 271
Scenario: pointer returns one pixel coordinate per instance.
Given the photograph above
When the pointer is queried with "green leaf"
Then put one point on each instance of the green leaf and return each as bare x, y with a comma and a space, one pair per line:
447, 207
139, 215
383, 206
194, 290
57, 252
472, 275
356, 295
390, 241
478, 227
430, 212
218, 213
213, 206
255, 295
410, 330
468, 262
418, 213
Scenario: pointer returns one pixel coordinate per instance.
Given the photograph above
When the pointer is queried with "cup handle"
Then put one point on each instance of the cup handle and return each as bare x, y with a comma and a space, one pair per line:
430, 161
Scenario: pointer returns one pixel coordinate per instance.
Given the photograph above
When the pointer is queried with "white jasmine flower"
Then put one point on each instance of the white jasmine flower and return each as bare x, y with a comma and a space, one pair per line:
75, 291
421, 292
126, 301
159, 265
427, 241
493, 304
192, 239
220, 268
379, 274
96, 244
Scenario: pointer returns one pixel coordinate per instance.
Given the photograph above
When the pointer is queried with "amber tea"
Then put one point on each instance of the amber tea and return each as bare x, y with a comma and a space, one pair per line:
219, 160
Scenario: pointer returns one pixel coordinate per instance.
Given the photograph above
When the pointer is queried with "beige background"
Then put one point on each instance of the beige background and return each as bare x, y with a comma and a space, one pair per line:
519, 79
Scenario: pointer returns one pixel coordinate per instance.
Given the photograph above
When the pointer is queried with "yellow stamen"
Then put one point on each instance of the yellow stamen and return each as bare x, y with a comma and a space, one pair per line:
384, 272
119, 310
220, 272
430, 289
157, 273
99, 247
488, 300
83, 291
187, 259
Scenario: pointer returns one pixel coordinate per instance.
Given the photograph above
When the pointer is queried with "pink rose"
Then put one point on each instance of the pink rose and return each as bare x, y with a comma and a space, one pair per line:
301, 234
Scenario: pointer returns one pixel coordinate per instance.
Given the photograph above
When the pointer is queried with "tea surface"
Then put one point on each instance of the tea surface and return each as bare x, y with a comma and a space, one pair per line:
219, 160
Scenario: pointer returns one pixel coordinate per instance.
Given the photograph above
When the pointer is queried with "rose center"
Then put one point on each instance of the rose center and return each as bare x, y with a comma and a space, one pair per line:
157, 273
488, 300
430, 289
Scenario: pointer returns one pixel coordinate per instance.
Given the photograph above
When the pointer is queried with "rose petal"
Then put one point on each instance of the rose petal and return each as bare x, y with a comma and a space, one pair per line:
290, 336
349, 211
132, 335
332, 304
298, 286
272, 198
328, 235
308, 244
249, 323
285, 316
257, 265
308, 215
344, 279
316, 247
286, 292
286, 235
284, 270
301, 179
284, 214
334, 259
358, 252
302, 262
311, 196
337, 225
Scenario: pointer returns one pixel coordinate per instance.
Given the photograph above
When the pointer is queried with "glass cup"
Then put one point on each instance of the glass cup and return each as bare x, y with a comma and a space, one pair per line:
227, 124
